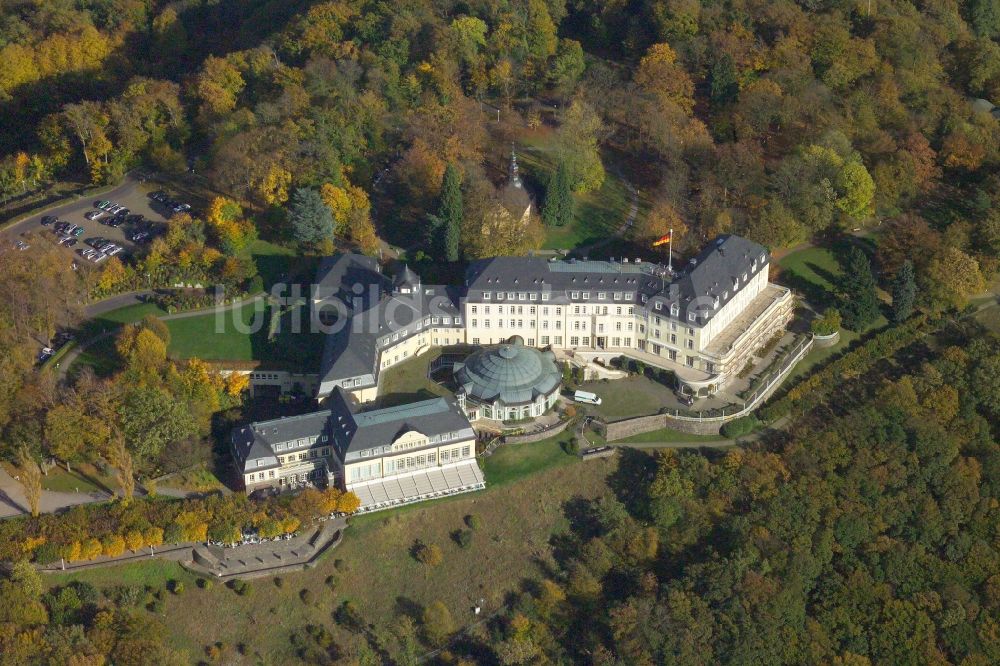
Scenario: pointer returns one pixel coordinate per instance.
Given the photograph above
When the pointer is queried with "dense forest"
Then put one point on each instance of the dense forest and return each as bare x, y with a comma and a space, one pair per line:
865, 534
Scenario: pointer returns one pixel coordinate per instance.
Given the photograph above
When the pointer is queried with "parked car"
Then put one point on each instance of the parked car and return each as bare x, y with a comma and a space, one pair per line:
78, 231
68, 241
94, 215
49, 219
181, 207
21, 245
135, 218
45, 354
61, 226
115, 221
103, 205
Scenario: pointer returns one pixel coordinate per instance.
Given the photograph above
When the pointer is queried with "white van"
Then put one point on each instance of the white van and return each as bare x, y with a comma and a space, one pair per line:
587, 397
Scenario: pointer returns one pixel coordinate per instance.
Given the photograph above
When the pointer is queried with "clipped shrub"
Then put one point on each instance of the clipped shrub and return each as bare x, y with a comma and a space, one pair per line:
741, 426
177, 587
113, 546
473, 522
462, 537
278, 582
307, 596
47, 553
90, 549
204, 584
239, 586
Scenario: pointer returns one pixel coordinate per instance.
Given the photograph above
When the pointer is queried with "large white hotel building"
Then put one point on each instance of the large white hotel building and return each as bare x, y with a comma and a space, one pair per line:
702, 321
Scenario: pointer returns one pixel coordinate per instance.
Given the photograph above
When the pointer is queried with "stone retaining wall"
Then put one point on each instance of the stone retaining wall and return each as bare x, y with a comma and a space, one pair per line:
617, 430
537, 436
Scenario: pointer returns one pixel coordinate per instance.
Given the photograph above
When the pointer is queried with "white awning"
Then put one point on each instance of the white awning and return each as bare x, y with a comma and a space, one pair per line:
452, 479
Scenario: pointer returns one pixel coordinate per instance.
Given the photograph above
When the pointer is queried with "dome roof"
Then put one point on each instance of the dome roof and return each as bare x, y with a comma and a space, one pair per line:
511, 373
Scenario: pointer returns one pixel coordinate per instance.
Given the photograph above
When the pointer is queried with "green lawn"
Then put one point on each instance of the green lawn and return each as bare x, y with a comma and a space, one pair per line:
84, 478
277, 263
218, 335
631, 396
241, 335
813, 271
408, 381
512, 462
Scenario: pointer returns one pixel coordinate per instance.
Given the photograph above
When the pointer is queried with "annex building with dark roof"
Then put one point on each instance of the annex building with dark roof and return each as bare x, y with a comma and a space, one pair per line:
387, 457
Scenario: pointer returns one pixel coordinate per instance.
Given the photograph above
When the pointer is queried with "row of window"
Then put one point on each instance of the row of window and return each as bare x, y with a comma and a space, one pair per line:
305, 455
408, 464
422, 324
294, 444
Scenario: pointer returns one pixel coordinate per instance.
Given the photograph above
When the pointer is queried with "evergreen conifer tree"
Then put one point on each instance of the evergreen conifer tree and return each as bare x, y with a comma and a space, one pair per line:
904, 293
859, 305
558, 209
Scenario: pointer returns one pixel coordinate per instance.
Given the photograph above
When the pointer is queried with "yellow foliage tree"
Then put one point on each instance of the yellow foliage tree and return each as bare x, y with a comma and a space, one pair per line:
90, 549
113, 546
153, 536
348, 503
114, 274
237, 383
134, 540
273, 188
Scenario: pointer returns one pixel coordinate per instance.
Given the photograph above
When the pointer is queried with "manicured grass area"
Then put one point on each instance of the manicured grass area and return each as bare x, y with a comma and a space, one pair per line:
408, 381
277, 263
515, 461
631, 396
668, 435
374, 568
115, 318
241, 335
85, 478
814, 272
218, 335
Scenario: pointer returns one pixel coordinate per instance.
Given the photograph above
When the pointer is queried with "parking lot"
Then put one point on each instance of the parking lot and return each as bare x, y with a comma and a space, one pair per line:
131, 194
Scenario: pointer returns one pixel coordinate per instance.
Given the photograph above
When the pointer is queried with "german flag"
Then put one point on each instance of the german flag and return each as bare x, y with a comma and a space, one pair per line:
662, 240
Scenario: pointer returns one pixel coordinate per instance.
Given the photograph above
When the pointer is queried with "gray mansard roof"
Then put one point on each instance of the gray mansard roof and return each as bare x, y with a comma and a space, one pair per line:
510, 373
373, 306
255, 442
354, 432
693, 287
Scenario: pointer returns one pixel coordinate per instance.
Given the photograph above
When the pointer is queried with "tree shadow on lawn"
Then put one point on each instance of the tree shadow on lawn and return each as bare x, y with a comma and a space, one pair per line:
295, 347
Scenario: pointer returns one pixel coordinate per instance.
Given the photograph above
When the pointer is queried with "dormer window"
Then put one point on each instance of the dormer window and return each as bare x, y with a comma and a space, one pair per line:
586, 295
658, 306
510, 295
486, 295
691, 316
674, 310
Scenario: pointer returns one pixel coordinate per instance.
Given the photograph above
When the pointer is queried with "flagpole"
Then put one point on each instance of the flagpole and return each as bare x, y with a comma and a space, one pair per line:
670, 252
